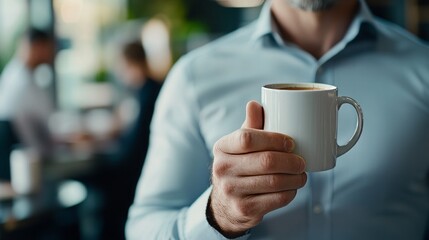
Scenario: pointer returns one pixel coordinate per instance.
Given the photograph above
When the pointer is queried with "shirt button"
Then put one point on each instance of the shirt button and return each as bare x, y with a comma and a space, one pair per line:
317, 209
320, 70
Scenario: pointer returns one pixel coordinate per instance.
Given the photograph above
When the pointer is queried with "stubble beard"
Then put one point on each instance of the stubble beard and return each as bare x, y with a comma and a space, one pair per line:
313, 5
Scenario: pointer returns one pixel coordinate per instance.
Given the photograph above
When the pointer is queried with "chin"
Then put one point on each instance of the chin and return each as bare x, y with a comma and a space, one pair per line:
312, 5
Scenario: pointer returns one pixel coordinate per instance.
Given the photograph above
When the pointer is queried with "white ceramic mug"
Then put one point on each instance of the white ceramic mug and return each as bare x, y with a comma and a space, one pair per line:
308, 112
25, 171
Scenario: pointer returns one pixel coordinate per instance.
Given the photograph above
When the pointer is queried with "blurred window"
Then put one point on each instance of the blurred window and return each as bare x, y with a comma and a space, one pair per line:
83, 28
13, 20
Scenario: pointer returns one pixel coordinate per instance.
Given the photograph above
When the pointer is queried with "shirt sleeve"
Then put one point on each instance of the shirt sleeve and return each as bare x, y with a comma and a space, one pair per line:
174, 187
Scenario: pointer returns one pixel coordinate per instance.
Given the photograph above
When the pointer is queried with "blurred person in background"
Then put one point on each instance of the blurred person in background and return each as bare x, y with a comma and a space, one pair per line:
22, 102
120, 179
212, 172
134, 75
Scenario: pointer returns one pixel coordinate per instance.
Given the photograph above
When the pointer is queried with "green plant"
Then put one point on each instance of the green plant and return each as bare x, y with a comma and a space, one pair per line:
174, 12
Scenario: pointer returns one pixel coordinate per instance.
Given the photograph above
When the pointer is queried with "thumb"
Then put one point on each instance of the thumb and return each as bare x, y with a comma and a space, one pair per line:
254, 116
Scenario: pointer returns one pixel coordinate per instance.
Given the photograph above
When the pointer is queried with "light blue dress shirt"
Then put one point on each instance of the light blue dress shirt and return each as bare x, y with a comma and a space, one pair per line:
378, 190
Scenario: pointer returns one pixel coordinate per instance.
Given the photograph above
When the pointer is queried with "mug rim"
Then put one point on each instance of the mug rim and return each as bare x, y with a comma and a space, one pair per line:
281, 86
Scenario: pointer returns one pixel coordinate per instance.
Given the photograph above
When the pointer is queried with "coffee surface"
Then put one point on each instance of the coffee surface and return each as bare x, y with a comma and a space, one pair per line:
300, 88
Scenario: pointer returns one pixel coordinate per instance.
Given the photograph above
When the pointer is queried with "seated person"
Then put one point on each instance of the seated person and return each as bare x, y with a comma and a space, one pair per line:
25, 107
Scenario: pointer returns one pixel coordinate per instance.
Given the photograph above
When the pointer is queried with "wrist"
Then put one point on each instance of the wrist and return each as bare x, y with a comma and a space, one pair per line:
213, 222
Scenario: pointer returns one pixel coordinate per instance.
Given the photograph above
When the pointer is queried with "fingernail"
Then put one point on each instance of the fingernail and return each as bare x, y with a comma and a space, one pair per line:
290, 145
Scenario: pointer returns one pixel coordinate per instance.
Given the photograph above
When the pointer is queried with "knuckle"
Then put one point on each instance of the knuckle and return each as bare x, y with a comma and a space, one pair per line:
243, 208
219, 168
272, 181
267, 162
227, 188
245, 138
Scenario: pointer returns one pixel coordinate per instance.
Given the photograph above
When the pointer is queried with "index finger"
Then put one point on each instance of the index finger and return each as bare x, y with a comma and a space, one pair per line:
248, 140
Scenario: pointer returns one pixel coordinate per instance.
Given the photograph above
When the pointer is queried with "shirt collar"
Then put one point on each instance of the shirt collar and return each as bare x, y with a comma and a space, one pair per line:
266, 26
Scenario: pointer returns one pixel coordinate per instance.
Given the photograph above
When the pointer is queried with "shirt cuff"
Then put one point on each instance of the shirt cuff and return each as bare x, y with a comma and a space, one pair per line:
196, 224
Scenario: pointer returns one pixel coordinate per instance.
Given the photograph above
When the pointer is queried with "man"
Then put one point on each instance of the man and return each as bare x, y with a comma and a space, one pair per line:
246, 188
22, 103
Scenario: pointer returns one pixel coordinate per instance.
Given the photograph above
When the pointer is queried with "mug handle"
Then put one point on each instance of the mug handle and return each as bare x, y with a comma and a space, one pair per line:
358, 131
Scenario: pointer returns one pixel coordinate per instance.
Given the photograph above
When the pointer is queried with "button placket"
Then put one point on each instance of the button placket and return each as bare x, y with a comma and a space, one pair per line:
321, 197
317, 208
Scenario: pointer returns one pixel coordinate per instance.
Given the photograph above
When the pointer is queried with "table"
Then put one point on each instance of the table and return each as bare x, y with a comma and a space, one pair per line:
34, 216
56, 211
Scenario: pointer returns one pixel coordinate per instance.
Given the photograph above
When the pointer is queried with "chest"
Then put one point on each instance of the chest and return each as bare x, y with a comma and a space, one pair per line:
392, 148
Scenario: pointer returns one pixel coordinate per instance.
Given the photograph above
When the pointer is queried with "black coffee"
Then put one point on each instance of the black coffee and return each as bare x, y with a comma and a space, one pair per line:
300, 88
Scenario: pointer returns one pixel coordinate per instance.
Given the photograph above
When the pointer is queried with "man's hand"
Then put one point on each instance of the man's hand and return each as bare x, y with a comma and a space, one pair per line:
254, 172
